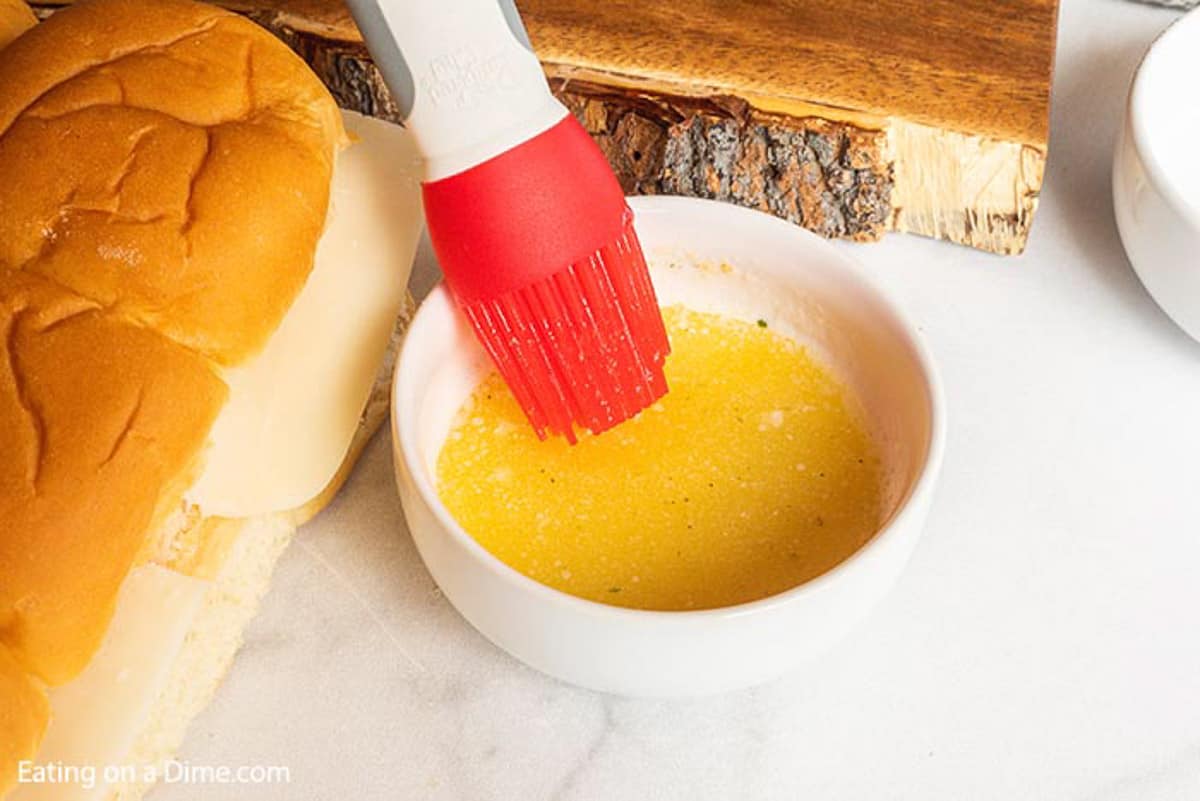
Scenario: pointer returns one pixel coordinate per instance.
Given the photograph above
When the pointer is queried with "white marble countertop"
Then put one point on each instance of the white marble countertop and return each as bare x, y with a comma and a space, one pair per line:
1044, 643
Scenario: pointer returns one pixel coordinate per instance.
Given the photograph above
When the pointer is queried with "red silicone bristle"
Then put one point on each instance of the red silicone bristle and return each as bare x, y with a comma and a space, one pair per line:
584, 347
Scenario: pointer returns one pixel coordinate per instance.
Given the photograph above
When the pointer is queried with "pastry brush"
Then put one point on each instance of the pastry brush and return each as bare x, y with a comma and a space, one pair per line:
529, 223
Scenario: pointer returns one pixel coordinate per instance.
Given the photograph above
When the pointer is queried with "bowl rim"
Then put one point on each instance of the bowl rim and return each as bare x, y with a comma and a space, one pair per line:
1136, 115
909, 506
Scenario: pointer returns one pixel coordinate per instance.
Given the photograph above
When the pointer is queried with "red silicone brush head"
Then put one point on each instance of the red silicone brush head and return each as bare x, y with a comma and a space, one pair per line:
538, 247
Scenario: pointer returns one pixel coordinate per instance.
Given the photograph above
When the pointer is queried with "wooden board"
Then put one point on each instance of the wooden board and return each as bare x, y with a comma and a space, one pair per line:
853, 119
850, 118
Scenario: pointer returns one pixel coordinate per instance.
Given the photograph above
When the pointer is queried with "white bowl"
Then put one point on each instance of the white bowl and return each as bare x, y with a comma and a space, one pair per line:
1156, 173
801, 285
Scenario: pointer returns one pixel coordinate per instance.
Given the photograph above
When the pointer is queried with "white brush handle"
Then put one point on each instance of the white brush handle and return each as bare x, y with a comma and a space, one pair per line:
463, 75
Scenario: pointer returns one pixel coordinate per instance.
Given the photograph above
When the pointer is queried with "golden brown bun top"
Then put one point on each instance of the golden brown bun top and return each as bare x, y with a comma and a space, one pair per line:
168, 159
15, 18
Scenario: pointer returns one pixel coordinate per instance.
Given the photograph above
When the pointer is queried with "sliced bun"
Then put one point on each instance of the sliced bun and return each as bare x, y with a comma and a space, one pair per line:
165, 173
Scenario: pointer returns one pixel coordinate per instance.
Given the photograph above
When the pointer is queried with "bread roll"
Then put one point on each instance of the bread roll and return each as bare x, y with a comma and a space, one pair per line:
166, 179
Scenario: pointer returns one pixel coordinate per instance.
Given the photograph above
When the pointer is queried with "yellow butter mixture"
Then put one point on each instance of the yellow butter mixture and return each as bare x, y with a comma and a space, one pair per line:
752, 475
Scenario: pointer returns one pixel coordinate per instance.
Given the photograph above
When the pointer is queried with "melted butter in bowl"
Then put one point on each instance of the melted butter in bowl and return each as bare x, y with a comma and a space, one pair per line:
753, 475
589, 571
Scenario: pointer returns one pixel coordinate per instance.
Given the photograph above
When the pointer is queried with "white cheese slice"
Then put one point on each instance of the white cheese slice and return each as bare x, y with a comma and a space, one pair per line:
293, 408
98, 715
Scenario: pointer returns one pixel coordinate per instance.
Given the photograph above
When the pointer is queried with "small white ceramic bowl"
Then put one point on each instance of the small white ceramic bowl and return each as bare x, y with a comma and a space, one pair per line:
1156, 173
800, 285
